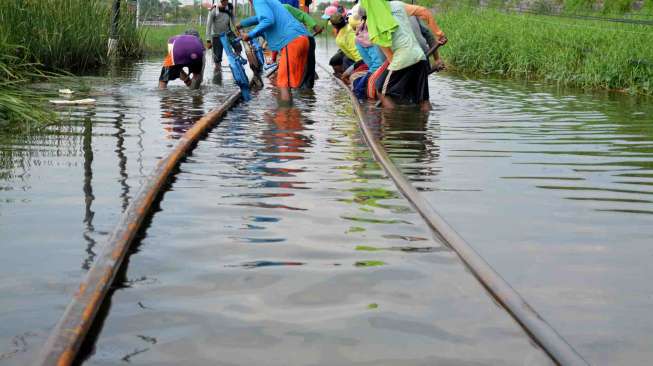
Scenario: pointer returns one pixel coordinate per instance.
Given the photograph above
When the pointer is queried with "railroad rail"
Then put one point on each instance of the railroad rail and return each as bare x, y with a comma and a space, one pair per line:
541, 332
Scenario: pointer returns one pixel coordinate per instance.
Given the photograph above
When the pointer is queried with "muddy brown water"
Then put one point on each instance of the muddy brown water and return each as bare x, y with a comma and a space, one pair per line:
280, 241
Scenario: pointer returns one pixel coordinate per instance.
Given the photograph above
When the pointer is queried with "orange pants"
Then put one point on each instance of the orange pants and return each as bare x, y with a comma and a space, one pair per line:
297, 52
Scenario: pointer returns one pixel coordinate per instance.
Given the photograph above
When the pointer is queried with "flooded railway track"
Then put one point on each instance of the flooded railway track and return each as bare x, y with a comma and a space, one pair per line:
69, 334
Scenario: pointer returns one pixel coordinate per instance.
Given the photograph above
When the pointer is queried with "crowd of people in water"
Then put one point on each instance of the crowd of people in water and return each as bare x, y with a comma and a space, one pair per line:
386, 49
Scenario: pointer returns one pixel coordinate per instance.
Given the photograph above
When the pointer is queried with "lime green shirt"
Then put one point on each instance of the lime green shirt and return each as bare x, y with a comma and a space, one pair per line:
406, 51
346, 41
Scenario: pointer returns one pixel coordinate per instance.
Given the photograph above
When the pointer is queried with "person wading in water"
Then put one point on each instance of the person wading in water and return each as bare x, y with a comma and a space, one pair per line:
285, 35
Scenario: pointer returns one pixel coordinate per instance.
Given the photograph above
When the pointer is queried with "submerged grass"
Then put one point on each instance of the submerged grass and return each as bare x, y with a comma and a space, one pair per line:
588, 54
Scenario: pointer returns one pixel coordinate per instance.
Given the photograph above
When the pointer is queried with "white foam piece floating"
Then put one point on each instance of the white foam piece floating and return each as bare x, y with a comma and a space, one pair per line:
65, 91
74, 102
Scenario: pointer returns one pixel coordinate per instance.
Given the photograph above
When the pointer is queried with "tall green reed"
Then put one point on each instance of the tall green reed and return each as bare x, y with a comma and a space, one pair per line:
67, 34
16, 102
38, 36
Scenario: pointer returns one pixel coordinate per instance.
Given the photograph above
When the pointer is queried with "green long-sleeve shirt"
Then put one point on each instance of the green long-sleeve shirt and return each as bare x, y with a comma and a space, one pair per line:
303, 17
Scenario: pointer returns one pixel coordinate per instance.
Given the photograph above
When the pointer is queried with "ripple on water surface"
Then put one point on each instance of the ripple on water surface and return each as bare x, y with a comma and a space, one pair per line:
282, 242
62, 189
554, 189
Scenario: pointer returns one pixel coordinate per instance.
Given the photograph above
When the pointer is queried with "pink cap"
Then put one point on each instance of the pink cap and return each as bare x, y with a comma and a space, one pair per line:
329, 11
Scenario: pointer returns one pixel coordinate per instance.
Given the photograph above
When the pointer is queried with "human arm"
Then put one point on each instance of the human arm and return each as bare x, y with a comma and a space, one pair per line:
209, 26
424, 14
387, 52
248, 22
302, 17
264, 18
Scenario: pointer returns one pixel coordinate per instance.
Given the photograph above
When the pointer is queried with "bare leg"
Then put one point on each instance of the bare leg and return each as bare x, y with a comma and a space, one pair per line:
195, 82
425, 106
386, 101
163, 84
284, 95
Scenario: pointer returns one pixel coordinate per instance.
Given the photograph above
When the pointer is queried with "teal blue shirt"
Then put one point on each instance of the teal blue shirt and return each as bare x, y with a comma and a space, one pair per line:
274, 23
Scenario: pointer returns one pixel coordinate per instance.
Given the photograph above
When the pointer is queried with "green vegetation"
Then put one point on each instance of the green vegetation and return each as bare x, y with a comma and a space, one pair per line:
67, 34
17, 104
156, 38
366, 248
584, 7
37, 37
369, 263
355, 229
589, 54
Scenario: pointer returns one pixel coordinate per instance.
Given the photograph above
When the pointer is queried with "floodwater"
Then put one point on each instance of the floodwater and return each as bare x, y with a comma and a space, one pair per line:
280, 241
554, 189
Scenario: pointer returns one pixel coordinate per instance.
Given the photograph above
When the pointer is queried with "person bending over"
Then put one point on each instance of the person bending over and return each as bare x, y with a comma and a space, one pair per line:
184, 51
406, 79
283, 34
348, 55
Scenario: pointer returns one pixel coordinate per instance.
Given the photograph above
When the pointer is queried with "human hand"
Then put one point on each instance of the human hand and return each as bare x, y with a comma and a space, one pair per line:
442, 40
317, 29
244, 36
208, 45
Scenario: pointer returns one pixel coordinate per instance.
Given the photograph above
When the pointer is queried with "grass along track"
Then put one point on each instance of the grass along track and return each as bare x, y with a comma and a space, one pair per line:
587, 54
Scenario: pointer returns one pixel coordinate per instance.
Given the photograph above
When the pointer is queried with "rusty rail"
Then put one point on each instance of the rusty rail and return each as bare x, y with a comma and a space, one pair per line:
541, 332
68, 335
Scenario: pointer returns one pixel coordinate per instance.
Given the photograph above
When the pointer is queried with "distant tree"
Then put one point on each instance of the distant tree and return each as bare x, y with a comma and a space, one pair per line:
175, 5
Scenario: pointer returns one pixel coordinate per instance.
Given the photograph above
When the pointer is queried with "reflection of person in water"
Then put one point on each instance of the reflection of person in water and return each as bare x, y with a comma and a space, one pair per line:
403, 133
180, 111
286, 139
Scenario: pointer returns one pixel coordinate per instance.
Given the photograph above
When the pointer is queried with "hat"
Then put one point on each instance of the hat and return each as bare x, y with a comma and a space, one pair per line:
329, 11
356, 12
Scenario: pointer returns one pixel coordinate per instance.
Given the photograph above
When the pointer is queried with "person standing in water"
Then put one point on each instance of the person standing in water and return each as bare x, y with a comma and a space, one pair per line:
220, 20
406, 80
285, 35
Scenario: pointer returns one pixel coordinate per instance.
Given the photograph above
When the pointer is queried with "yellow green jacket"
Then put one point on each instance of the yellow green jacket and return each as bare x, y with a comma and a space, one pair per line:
346, 41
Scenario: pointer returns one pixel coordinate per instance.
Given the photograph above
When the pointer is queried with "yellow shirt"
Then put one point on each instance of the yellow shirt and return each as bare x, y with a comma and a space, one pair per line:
346, 41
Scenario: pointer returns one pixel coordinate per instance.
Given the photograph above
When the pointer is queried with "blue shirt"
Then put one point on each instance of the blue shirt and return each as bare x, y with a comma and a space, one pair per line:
275, 23
372, 56
294, 3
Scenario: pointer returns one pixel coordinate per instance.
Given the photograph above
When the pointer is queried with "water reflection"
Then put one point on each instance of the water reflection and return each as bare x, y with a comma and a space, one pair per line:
88, 194
180, 109
283, 237
410, 138
50, 217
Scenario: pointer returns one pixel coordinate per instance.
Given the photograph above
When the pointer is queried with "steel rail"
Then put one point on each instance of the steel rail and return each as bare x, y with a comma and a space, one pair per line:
67, 336
556, 347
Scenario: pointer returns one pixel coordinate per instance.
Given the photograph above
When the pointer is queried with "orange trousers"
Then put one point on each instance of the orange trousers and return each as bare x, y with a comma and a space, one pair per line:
293, 63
